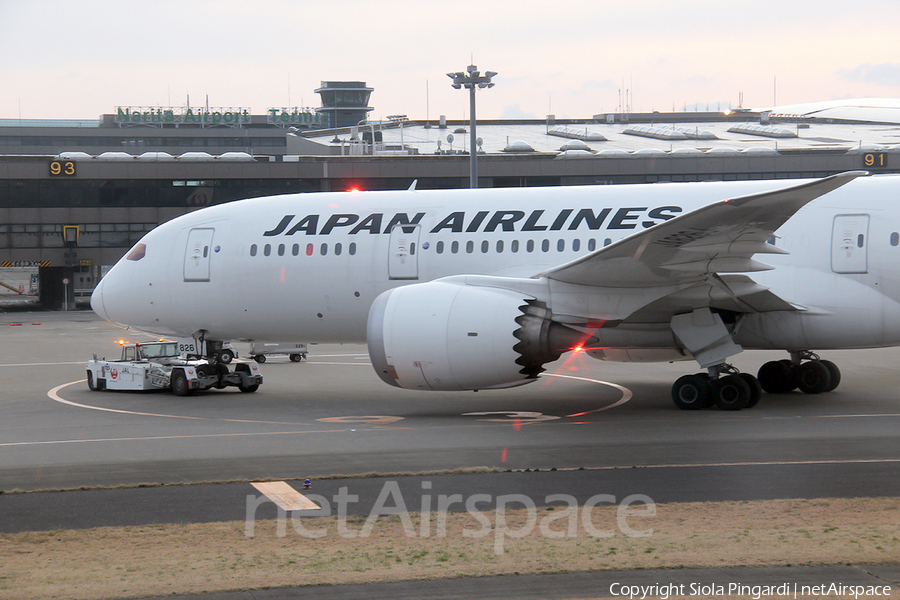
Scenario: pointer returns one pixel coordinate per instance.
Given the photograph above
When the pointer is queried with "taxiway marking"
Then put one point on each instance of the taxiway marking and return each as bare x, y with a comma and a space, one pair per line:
54, 395
626, 393
284, 496
171, 437
759, 463
49, 364
366, 419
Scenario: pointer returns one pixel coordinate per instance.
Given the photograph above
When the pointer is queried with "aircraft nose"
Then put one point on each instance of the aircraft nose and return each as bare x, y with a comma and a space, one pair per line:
97, 301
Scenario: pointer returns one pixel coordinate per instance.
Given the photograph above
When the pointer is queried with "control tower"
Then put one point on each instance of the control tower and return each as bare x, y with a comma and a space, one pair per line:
344, 103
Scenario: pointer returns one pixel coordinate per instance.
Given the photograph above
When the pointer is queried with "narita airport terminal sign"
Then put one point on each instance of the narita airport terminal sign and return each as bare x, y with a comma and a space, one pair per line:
290, 116
232, 117
191, 116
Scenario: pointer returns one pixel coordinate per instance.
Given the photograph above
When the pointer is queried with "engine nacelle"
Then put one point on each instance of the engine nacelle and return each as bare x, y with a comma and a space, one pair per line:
451, 336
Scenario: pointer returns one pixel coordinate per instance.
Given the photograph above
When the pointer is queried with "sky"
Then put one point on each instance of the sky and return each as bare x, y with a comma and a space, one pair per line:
571, 58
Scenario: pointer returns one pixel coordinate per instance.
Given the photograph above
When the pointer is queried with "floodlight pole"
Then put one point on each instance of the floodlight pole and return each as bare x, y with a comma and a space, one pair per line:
471, 80
473, 149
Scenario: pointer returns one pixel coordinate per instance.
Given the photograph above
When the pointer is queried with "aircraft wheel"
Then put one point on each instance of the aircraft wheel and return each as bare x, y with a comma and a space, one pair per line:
835, 375
731, 392
791, 384
776, 377
813, 377
180, 386
755, 389
691, 392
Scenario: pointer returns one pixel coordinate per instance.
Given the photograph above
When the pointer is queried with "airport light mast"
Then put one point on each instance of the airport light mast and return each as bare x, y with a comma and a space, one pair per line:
472, 80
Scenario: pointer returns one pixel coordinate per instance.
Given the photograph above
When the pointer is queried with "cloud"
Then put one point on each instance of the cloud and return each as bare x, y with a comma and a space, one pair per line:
886, 74
514, 111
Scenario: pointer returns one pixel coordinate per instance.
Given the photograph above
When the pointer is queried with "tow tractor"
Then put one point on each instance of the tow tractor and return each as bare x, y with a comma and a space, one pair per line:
177, 366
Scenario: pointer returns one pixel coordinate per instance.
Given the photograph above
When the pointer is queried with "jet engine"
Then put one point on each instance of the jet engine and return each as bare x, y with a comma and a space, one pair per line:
452, 336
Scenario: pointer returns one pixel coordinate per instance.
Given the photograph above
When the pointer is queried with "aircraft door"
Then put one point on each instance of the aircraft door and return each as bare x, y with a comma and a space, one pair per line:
403, 262
196, 254
849, 244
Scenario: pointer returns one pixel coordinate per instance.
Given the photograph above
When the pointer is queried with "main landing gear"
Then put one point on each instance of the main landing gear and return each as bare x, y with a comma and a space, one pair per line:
723, 386
727, 389
815, 376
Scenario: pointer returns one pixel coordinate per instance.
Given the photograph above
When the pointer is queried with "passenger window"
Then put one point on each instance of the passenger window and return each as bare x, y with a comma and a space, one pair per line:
454, 247
576, 245
352, 248
337, 249
470, 247
895, 239
412, 249
295, 250
592, 245
607, 242
280, 249
323, 249
309, 249
440, 247
485, 246
529, 247
252, 249
267, 249
545, 246
499, 246
514, 246
561, 246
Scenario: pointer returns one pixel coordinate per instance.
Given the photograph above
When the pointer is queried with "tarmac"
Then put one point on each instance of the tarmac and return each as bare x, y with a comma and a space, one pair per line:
843, 445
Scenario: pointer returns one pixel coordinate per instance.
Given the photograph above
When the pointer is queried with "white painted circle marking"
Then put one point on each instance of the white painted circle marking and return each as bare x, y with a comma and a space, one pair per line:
366, 419
523, 416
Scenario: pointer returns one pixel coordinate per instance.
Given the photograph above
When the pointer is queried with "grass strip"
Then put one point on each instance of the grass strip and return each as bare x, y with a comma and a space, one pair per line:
118, 562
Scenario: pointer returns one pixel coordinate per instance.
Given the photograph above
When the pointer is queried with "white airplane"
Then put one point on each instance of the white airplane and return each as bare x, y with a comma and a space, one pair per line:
479, 289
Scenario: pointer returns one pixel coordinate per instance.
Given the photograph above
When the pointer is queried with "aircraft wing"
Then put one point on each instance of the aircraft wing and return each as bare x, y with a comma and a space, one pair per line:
700, 246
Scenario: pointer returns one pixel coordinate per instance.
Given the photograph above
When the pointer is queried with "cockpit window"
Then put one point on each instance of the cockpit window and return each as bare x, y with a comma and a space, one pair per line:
138, 252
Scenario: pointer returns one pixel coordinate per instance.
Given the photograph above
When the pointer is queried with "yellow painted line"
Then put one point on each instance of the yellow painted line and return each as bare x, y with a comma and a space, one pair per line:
284, 496
769, 463
170, 437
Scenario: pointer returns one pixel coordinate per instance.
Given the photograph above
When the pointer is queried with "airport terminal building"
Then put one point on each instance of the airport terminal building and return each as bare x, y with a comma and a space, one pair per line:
75, 195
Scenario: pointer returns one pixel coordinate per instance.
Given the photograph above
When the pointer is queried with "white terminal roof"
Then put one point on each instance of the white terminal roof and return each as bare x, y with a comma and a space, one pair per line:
496, 137
703, 136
